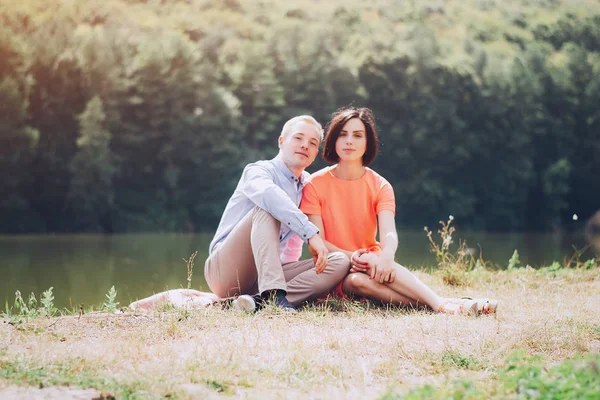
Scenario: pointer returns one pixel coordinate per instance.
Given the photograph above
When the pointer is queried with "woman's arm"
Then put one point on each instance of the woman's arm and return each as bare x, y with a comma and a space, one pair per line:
358, 265
389, 244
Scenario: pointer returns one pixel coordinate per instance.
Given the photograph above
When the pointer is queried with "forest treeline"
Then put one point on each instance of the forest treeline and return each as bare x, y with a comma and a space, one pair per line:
138, 115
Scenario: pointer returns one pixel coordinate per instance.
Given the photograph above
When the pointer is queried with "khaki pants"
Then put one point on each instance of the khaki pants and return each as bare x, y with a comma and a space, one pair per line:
247, 262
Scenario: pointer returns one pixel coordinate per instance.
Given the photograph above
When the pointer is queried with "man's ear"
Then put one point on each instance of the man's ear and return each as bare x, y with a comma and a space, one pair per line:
280, 140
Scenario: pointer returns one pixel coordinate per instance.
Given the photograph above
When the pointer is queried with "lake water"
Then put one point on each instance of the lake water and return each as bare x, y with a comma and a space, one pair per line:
82, 268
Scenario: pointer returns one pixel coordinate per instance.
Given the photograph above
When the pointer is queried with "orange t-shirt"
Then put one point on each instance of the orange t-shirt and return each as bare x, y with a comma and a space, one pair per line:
348, 208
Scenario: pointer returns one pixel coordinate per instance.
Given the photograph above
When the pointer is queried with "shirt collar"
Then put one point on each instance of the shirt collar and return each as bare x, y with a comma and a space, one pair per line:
287, 172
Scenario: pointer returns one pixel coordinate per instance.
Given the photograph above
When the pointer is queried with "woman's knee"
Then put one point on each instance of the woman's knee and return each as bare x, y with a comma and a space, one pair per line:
356, 282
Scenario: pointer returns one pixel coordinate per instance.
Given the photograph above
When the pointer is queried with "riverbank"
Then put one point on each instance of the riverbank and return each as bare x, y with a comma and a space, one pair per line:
328, 350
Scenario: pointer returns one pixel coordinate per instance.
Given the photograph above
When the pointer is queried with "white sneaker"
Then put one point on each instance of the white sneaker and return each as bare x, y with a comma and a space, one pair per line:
244, 303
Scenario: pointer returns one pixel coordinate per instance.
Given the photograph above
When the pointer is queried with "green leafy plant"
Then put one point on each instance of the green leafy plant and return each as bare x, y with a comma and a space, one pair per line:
29, 308
22, 310
590, 264
47, 301
111, 303
553, 268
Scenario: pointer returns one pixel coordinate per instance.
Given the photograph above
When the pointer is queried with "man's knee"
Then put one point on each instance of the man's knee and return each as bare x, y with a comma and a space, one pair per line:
258, 214
338, 263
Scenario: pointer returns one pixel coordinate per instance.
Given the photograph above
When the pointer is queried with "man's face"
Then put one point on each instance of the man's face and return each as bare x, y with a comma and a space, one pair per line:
299, 147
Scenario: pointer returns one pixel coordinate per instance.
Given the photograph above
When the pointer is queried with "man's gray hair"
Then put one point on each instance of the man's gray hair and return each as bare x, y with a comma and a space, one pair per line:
287, 127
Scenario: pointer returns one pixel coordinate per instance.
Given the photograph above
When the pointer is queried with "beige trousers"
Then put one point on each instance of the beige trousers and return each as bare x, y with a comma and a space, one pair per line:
247, 262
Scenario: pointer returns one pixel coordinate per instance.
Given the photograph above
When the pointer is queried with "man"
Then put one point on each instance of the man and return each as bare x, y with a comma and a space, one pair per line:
259, 239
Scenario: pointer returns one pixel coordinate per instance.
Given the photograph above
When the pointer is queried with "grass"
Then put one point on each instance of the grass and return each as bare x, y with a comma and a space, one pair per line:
548, 324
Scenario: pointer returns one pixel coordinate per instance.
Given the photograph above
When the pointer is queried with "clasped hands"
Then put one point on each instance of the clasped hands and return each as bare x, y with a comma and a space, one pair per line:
379, 267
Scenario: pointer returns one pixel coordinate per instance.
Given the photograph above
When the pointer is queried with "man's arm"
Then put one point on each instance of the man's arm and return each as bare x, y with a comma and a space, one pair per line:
259, 186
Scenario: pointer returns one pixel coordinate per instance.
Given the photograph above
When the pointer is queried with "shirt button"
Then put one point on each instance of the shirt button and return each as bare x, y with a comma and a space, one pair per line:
304, 235
289, 223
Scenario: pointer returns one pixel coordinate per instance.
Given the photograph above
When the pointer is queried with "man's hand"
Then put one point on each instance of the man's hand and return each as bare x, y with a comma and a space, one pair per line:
357, 264
319, 251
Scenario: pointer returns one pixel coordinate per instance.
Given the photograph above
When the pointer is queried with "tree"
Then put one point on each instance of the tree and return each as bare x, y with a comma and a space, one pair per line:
91, 193
18, 140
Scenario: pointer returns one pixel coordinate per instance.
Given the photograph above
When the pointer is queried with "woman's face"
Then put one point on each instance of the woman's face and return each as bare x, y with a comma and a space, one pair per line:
351, 145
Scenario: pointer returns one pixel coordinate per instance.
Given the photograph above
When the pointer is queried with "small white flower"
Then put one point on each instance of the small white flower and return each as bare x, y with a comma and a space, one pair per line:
447, 241
451, 217
575, 217
198, 111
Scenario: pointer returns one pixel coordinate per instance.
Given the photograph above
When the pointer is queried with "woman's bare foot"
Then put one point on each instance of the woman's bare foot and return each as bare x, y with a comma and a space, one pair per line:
462, 306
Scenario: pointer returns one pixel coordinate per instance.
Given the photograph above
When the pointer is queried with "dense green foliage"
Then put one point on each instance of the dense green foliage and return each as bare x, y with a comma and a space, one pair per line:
138, 115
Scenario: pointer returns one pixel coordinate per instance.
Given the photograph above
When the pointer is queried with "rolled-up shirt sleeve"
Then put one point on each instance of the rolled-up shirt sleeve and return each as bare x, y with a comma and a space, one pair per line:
260, 188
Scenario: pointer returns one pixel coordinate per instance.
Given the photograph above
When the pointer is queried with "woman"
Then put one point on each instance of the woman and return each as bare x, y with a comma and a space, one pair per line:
348, 202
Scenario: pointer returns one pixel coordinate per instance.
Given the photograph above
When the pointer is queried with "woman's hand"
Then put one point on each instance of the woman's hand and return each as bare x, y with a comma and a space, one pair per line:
357, 262
385, 271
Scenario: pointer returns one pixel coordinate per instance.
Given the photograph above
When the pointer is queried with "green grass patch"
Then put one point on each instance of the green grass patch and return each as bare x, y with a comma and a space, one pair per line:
527, 377
70, 373
523, 377
456, 360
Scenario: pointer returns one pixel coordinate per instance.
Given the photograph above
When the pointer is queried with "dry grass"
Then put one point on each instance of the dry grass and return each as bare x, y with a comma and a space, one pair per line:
323, 352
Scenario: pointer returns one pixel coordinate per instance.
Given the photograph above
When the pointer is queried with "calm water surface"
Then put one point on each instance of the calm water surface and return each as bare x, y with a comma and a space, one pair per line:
82, 268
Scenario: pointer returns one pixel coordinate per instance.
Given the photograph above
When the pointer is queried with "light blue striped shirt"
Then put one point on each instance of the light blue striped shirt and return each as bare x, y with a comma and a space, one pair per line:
270, 185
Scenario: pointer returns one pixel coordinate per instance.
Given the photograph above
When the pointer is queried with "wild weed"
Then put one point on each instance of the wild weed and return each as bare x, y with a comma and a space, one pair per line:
514, 261
575, 260
453, 266
190, 268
